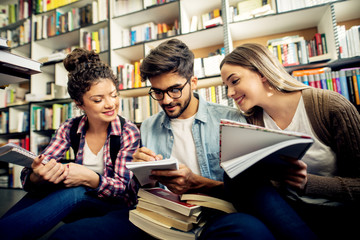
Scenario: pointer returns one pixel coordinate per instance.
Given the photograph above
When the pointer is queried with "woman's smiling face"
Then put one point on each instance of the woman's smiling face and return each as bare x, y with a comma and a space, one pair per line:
243, 85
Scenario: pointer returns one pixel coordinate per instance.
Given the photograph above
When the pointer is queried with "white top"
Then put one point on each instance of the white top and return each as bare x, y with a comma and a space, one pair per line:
184, 145
320, 159
93, 161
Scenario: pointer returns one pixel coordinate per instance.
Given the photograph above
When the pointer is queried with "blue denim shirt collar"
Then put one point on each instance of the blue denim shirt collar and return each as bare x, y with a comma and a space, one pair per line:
201, 114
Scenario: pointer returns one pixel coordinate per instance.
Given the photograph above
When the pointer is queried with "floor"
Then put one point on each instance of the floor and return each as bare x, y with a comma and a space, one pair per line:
8, 198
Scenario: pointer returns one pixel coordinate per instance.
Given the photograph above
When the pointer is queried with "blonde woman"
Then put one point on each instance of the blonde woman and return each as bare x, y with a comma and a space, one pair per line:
324, 186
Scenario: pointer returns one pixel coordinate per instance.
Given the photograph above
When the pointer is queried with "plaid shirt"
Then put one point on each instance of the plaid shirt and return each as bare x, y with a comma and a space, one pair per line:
118, 183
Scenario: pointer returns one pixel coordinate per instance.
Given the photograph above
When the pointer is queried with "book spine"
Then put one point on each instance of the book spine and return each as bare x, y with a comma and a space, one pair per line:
350, 85
356, 88
343, 84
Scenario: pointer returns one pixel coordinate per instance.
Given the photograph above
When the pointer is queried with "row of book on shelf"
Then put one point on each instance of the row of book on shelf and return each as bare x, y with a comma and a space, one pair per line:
345, 81
146, 32
96, 40
288, 5
349, 41
46, 5
121, 7
18, 35
250, 8
295, 50
19, 123
13, 12
50, 117
205, 20
57, 22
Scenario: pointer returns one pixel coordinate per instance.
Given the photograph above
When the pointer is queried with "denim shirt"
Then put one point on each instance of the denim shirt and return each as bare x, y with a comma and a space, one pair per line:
157, 135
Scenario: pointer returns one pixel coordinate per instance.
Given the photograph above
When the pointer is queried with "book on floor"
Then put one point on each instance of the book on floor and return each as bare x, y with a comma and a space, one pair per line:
160, 230
15, 154
209, 202
169, 200
142, 170
242, 145
167, 220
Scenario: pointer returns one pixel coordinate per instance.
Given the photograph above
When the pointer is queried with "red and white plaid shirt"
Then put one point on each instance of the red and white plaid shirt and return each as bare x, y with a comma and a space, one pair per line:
118, 183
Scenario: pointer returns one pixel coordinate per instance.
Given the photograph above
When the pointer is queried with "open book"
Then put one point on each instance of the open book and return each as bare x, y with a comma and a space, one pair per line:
15, 154
242, 145
142, 170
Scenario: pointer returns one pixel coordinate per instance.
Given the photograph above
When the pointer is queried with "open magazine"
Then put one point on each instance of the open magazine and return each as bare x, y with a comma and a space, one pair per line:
242, 145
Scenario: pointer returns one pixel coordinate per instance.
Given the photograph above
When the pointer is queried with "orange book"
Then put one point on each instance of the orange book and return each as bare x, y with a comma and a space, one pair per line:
216, 12
137, 78
356, 87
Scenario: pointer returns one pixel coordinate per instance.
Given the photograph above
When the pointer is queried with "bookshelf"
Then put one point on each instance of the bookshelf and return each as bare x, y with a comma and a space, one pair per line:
114, 20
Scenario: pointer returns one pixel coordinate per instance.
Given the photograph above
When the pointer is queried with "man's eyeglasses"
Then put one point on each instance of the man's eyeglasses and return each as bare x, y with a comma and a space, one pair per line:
174, 93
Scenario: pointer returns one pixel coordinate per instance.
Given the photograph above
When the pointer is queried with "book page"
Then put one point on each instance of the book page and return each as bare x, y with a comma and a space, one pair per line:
241, 139
142, 170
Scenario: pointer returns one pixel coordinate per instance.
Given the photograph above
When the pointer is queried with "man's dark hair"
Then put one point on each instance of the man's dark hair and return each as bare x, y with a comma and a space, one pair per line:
170, 56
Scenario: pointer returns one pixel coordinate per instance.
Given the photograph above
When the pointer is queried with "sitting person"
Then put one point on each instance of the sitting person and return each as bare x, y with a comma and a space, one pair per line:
94, 184
324, 186
188, 129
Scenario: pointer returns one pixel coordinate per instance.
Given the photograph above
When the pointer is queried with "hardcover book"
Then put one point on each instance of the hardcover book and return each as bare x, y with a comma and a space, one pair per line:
169, 200
260, 144
151, 206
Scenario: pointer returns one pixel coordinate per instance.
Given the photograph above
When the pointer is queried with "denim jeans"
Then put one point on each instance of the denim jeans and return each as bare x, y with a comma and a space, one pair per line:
37, 213
235, 226
112, 226
252, 194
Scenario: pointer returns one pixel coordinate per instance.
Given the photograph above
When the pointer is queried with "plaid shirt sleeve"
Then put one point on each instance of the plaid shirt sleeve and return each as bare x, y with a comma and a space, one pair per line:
56, 149
120, 183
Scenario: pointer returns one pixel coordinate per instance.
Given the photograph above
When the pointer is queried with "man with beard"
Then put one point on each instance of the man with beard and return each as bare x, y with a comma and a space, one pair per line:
188, 126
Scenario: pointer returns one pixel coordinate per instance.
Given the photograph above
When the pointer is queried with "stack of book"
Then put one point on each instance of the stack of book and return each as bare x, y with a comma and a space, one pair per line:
163, 215
166, 215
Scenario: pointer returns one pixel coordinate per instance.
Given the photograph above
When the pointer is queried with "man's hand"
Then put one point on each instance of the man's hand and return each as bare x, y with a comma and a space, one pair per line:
52, 171
144, 154
177, 181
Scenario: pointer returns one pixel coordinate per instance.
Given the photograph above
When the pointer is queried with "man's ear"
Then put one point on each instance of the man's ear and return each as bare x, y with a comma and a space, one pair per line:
193, 82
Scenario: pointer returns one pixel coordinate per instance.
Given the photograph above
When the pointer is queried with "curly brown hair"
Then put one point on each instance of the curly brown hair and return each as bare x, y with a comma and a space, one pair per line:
85, 68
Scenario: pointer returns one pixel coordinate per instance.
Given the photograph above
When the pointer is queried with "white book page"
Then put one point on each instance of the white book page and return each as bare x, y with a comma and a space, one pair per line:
142, 170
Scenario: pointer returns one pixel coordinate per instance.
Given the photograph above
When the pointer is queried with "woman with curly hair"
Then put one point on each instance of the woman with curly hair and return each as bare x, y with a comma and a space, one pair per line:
93, 185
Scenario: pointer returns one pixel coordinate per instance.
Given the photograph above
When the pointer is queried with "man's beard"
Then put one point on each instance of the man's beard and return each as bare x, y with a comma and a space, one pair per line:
182, 109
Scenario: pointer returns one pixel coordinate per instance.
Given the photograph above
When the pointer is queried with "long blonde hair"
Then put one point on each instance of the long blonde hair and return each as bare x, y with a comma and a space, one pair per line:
259, 59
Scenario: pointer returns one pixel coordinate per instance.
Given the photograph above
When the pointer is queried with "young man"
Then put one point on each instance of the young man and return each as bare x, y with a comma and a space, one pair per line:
188, 126
188, 129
